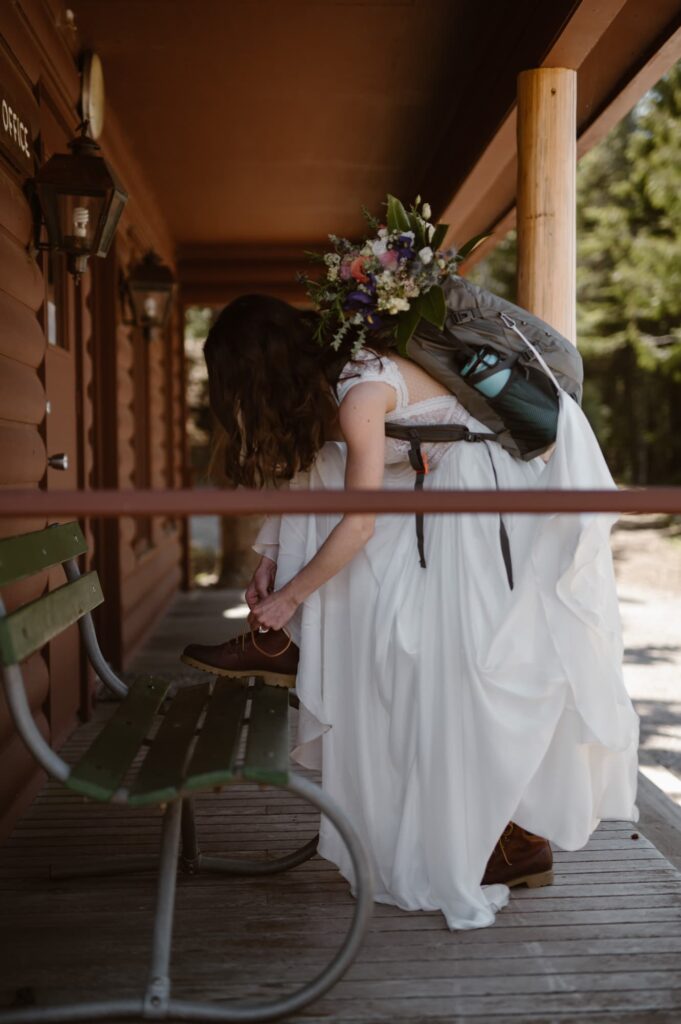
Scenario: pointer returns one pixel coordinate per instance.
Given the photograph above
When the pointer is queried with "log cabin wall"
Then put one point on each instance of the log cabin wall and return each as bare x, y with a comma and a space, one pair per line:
22, 414
95, 389
150, 445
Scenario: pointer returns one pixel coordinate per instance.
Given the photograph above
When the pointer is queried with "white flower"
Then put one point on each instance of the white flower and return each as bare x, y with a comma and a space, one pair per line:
332, 274
417, 200
397, 305
383, 232
430, 231
426, 255
426, 211
379, 246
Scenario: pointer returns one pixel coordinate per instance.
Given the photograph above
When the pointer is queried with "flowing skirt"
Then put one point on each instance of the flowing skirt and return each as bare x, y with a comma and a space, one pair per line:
439, 703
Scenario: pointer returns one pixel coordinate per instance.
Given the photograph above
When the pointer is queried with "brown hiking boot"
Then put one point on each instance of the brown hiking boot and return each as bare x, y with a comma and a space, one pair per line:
271, 654
520, 858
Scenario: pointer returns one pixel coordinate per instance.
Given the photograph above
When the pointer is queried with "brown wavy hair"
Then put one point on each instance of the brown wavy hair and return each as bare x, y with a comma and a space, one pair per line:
271, 389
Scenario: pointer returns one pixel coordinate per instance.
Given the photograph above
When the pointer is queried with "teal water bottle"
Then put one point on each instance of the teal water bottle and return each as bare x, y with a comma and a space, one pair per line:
485, 360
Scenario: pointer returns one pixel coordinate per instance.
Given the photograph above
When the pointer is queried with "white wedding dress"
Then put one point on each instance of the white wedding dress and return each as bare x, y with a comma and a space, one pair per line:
439, 703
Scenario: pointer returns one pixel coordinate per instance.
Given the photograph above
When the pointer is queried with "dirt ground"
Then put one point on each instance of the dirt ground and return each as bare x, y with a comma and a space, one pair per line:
647, 553
647, 556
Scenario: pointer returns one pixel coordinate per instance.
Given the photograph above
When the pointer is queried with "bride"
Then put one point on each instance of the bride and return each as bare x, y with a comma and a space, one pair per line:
460, 724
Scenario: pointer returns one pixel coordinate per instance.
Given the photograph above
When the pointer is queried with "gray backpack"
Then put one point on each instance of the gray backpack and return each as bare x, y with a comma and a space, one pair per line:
486, 339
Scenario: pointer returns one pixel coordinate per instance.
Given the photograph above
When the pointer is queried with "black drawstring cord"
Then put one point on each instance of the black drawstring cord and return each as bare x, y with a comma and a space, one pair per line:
503, 532
419, 466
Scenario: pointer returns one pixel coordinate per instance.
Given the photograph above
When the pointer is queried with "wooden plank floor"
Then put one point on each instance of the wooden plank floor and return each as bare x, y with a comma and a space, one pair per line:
602, 944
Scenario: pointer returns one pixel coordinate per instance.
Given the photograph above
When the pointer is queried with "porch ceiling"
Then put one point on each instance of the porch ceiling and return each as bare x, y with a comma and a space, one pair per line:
263, 122
261, 125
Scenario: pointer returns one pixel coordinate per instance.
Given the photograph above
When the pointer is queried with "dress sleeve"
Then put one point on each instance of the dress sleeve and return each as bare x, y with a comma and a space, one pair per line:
371, 367
267, 541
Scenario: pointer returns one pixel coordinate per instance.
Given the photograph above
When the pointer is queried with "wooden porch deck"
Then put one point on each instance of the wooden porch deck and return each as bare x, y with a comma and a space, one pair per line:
602, 944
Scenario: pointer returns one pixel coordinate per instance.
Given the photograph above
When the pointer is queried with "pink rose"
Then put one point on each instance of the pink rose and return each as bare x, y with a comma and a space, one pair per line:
388, 259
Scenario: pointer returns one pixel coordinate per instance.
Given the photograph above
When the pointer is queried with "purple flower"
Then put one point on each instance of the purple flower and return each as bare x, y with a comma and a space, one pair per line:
359, 297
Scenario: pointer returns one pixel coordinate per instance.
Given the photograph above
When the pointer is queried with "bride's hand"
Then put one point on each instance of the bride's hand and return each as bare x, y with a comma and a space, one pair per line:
274, 611
262, 581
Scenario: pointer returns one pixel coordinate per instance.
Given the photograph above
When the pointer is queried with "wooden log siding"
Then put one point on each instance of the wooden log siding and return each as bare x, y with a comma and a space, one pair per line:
150, 556
22, 459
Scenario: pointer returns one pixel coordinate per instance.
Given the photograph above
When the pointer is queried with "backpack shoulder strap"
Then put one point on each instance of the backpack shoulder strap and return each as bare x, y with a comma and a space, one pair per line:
416, 435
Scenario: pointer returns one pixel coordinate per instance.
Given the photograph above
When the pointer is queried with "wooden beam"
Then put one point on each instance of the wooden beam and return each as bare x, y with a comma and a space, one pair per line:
547, 161
245, 501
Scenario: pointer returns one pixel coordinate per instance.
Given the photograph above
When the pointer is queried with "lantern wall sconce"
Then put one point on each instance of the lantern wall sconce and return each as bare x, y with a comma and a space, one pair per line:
81, 200
150, 286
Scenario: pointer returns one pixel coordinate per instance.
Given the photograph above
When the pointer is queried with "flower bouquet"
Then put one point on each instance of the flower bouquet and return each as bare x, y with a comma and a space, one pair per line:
388, 282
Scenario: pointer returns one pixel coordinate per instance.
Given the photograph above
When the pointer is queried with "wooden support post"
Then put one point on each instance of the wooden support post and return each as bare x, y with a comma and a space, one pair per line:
547, 157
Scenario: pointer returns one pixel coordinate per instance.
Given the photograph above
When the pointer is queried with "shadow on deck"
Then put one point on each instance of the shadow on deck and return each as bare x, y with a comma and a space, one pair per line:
602, 943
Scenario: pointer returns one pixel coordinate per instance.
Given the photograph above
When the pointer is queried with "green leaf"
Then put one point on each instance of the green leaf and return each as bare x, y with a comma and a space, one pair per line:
416, 226
407, 324
398, 219
434, 307
470, 246
439, 236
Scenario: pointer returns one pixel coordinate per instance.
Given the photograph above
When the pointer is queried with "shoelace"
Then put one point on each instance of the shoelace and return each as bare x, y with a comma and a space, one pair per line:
240, 640
506, 834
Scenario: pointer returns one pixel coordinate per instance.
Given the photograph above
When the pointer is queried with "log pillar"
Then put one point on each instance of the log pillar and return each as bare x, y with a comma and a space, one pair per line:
546, 195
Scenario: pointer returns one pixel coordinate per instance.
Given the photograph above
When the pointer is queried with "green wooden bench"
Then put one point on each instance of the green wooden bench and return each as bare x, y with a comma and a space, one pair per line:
159, 749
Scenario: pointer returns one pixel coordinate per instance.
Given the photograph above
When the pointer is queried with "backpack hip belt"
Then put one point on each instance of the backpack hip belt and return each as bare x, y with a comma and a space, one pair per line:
448, 432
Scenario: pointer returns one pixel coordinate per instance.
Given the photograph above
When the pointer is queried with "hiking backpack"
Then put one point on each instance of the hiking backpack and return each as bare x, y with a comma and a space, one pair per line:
531, 357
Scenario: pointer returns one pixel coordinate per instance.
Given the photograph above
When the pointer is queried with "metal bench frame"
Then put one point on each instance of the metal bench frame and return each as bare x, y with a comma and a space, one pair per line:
179, 845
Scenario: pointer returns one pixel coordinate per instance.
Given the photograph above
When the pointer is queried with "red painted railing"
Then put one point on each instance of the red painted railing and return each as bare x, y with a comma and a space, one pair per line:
246, 502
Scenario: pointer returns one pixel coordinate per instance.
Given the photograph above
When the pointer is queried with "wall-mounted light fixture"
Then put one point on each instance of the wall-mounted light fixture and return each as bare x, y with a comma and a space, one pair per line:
81, 200
150, 288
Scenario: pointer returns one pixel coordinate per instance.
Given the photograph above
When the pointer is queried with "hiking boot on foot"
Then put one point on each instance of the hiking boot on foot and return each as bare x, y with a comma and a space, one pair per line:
520, 858
271, 654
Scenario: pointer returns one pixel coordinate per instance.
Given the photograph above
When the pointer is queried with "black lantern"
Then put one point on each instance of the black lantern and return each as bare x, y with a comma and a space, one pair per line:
150, 286
82, 201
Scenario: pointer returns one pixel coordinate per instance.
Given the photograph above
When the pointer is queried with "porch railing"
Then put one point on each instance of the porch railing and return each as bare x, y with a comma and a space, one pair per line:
241, 502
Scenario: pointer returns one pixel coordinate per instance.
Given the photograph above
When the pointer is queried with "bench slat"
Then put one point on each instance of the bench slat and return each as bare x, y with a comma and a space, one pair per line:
102, 768
267, 747
30, 553
216, 750
162, 773
28, 628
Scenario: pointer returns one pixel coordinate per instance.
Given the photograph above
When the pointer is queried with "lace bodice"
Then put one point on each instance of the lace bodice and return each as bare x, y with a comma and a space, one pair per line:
439, 409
